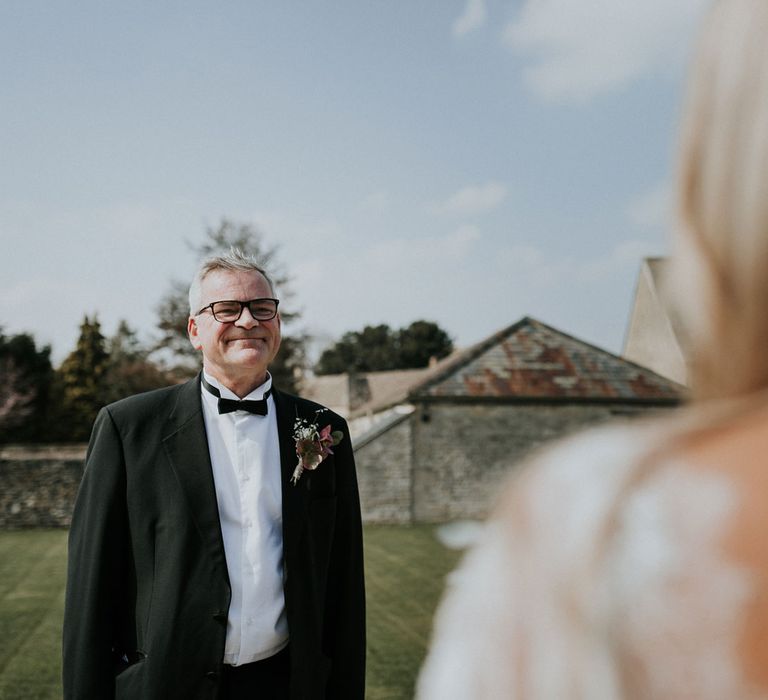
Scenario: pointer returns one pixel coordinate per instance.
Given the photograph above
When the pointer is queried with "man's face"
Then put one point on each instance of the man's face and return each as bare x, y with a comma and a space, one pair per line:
243, 348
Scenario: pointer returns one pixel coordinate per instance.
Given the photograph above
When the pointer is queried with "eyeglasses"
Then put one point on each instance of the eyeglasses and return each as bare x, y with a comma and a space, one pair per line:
230, 311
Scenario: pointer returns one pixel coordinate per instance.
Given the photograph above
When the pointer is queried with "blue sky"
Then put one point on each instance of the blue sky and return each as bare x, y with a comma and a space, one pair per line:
468, 162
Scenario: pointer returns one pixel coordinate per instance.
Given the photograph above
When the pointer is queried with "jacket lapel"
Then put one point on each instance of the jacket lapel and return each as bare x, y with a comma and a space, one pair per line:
186, 446
294, 496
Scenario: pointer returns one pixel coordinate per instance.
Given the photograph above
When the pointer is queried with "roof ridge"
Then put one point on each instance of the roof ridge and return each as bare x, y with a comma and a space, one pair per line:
467, 355
611, 382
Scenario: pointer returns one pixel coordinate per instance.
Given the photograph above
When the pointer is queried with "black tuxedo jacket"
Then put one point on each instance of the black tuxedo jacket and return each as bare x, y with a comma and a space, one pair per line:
147, 584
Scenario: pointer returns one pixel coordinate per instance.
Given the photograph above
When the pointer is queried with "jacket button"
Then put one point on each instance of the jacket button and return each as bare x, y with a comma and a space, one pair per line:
220, 616
212, 676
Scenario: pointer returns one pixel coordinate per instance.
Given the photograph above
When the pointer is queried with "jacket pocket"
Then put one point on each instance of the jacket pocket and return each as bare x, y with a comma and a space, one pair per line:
129, 681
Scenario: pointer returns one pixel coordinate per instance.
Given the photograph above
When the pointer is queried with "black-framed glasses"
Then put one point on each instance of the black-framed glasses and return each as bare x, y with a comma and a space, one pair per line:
230, 310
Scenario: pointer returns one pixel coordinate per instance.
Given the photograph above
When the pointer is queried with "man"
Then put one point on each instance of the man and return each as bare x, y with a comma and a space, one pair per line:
202, 563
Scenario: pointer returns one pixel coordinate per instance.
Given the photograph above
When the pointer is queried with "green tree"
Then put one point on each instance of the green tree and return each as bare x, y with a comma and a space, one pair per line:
379, 348
372, 349
26, 376
83, 382
172, 315
290, 362
129, 369
422, 341
173, 310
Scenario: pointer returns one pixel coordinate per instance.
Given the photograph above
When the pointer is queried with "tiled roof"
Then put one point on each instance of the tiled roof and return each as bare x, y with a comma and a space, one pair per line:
375, 391
531, 360
389, 388
330, 390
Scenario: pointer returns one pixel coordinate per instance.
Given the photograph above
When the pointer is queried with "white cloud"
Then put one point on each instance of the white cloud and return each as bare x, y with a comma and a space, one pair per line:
290, 229
620, 261
537, 269
393, 281
471, 285
581, 48
431, 250
473, 200
588, 296
115, 259
405, 256
474, 16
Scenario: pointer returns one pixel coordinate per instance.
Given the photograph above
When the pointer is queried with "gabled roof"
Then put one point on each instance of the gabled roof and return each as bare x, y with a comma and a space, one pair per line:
362, 394
388, 388
531, 360
331, 390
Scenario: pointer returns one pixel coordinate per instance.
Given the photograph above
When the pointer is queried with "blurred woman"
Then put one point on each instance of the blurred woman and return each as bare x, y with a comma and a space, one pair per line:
632, 561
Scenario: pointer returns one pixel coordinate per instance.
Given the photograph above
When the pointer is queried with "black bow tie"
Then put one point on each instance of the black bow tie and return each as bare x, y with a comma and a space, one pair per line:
258, 408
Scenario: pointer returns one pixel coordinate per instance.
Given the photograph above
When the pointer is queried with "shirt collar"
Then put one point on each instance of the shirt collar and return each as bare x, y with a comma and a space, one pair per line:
256, 395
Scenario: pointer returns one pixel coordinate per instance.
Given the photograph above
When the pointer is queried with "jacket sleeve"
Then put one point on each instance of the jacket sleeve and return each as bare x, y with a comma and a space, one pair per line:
96, 568
345, 605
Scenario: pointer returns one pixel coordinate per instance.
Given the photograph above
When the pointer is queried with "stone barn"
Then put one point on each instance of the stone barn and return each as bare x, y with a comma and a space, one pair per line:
441, 454
431, 444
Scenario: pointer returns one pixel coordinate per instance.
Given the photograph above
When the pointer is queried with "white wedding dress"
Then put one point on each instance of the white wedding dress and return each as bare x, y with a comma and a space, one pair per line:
591, 583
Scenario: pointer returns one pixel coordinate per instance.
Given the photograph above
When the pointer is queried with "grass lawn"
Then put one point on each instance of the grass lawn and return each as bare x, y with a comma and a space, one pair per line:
405, 570
32, 568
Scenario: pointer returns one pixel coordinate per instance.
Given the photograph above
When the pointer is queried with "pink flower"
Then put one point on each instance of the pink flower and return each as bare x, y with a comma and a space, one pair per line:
312, 445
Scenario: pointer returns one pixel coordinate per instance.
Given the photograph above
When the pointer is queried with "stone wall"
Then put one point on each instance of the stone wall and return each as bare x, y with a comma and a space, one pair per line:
39, 484
447, 460
442, 462
464, 451
384, 474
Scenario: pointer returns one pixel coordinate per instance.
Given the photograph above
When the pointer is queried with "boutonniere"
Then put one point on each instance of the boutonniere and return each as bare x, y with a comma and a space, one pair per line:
313, 444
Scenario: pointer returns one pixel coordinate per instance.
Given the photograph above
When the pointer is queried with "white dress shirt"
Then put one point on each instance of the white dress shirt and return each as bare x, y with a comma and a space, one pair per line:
245, 456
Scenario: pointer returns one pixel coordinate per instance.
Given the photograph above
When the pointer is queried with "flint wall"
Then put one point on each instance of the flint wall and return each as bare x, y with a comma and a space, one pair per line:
38, 484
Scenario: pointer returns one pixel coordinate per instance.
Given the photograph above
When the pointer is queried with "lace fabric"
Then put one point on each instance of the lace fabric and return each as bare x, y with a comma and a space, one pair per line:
552, 605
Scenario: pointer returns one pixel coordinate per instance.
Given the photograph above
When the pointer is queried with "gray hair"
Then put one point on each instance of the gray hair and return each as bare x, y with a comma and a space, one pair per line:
233, 261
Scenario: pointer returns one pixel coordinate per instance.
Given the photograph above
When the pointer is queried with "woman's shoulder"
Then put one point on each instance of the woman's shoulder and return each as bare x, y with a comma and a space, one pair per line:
595, 449
582, 472
617, 487
610, 536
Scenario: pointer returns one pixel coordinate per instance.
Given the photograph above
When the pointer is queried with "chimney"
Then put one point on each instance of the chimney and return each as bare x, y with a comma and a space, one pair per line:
359, 390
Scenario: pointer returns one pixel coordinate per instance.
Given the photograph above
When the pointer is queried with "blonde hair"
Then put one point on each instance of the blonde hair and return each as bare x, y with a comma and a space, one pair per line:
722, 244
723, 255
723, 203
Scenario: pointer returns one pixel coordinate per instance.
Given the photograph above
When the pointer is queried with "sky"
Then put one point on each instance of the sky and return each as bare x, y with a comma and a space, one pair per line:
468, 162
